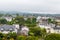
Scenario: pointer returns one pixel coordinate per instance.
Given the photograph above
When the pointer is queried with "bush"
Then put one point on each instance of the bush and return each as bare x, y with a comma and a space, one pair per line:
30, 25
27, 38
32, 38
36, 31
21, 38
53, 37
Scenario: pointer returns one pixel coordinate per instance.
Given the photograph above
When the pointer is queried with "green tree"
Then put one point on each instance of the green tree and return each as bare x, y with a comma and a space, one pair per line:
21, 37
12, 35
1, 36
34, 20
1, 14
19, 20
3, 21
54, 22
28, 21
31, 25
49, 20
36, 31
53, 37
32, 38
7, 14
17, 14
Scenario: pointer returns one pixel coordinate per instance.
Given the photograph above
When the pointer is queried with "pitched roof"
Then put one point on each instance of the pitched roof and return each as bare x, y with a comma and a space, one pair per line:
56, 28
7, 27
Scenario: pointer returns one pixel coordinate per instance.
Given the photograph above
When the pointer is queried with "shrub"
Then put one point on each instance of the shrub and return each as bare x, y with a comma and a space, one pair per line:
53, 37
21, 38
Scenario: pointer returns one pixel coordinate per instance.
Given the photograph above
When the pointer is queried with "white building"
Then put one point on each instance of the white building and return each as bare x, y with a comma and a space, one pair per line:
24, 30
16, 26
51, 28
39, 18
8, 18
25, 18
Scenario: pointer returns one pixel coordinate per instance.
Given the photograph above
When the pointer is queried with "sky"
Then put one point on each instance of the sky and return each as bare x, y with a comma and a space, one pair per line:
46, 6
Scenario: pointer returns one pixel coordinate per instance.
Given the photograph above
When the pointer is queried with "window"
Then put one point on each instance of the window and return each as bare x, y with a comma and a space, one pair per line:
10, 30
2, 29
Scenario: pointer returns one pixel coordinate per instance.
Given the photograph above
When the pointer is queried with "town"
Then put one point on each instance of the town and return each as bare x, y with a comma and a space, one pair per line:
18, 27
29, 19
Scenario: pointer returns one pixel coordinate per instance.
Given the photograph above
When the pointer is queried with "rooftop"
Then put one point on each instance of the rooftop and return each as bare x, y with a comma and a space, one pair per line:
7, 27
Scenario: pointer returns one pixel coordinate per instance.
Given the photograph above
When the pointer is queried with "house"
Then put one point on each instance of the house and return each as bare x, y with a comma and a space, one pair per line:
16, 26
24, 30
46, 25
40, 19
56, 30
8, 18
25, 18
50, 28
53, 30
7, 28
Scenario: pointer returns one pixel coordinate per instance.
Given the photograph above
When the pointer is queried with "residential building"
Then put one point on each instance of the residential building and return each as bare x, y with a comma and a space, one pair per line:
16, 26
40, 19
8, 28
53, 30
50, 28
24, 30
8, 18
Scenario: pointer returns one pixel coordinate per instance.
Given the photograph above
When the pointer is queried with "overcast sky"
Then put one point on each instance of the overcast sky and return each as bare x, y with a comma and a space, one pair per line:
52, 6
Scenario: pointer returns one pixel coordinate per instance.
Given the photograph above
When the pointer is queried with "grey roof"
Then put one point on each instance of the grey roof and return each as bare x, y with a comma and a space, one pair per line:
7, 27
56, 28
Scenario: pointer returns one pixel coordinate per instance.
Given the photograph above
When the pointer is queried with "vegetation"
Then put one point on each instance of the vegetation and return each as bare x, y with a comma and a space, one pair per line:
27, 38
3, 21
49, 20
14, 36
53, 37
8, 36
52, 21
35, 33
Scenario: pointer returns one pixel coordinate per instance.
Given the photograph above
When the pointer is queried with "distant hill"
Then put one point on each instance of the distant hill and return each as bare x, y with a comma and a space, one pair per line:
27, 13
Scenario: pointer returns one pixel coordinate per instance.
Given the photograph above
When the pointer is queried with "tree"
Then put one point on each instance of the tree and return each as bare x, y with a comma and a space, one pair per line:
27, 38
53, 37
8, 15
12, 35
31, 25
35, 31
32, 38
1, 14
21, 38
19, 20
49, 20
43, 33
3, 21
34, 20
54, 22
1, 36
17, 14
28, 21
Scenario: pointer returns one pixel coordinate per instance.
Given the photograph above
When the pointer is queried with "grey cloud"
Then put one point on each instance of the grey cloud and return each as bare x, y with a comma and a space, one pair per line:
31, 5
